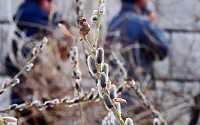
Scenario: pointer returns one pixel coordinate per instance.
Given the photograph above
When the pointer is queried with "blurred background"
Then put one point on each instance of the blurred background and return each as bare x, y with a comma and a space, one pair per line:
177, 77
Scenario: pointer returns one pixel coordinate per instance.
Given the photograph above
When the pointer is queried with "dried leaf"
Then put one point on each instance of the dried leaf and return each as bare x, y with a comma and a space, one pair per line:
64, 30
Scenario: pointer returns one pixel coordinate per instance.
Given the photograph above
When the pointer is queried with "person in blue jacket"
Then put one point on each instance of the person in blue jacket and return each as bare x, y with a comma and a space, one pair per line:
141, 40
32, 17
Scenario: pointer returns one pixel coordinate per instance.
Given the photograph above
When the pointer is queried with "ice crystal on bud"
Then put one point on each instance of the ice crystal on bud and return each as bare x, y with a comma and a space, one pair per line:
29, 67
129, 121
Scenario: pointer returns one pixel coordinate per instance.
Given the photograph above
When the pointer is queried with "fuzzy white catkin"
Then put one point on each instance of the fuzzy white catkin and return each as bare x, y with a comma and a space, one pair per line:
100, 90
107, 101
105, 69
29, 67
156, 121
113, 90
103, 80
118, 107
114, 121
92, 65
100, 55
129, 121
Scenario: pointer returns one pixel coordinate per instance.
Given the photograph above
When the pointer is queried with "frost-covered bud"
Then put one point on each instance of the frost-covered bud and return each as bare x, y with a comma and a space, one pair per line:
156, 121
113, 93
47, 103
107, 101
55, 101
129, 121
44, 42
77, 100
103, 80
100, 55
2, 91
102, 8
75, 50
35, 103
74, 54
21, 107
94, 18
114, 121
34, 51
120, 88
64, 99
91, 96
95, 12
92, 65
77, 86
118, 107
13, 106
29, 67
100, 90
105, 69
76, 73
130, 82
15, 82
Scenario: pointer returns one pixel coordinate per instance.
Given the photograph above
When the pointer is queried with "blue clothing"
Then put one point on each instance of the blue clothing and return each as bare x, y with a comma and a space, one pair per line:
134, 29
29, 15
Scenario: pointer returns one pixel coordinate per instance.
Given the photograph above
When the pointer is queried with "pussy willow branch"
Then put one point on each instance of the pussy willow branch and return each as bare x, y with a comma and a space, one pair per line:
75, 66
40, 106
97, 27
79, 9
140, 94
25, 67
